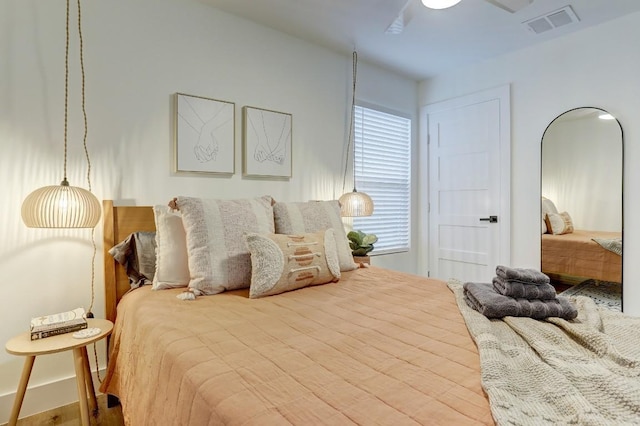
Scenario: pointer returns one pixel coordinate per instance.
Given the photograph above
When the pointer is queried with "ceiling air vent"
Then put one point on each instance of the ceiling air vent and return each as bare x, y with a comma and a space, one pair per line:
549, 21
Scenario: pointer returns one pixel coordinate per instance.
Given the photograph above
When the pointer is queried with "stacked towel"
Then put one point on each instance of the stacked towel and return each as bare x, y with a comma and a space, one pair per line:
518, 292
523, 290
523, 283
530, 276
483, 298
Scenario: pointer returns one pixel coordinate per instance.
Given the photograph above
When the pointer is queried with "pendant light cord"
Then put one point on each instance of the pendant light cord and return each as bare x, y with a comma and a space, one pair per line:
86, 150
66, 95
84, 110
351, 120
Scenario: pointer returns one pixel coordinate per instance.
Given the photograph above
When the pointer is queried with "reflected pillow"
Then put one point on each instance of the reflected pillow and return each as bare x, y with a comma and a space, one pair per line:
559, 223
281, 263
548, 206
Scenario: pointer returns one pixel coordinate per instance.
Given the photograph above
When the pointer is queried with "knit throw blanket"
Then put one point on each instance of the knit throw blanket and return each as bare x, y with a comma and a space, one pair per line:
613, 245
580, 372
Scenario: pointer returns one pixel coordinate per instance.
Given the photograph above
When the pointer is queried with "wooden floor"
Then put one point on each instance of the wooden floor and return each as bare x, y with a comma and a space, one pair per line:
69, 415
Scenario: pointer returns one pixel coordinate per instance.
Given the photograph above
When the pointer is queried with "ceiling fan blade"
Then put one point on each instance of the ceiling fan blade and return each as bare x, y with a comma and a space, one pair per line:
510, 5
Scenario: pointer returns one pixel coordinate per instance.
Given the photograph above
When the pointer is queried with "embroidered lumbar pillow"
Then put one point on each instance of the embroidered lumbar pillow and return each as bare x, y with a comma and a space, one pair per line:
314, 216
281, 262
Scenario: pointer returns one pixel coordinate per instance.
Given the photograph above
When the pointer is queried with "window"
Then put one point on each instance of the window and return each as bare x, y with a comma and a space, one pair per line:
382, 164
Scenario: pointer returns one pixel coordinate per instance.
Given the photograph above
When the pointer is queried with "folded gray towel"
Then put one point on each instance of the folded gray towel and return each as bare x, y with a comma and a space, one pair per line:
484, 299
521, 290
523, 275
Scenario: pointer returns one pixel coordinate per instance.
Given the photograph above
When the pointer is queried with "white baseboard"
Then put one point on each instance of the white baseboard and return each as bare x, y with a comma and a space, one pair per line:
44, 397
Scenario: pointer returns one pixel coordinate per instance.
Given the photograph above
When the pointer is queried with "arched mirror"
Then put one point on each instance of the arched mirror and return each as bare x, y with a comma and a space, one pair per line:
581, 220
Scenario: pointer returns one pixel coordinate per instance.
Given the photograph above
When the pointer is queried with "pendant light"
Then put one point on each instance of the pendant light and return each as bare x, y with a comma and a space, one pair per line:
65, 206
354, 203
440, 4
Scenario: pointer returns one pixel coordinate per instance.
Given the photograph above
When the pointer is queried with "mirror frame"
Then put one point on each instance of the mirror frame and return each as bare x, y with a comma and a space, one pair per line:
621, 185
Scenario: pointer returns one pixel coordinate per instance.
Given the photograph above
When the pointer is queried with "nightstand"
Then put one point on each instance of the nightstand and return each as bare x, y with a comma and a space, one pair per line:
22, 345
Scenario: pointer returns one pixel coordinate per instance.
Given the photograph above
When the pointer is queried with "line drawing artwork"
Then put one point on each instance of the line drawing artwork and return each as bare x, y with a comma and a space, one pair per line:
267, 143
205, 135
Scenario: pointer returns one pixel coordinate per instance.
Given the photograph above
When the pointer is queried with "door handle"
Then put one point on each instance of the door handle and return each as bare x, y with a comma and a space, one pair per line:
490, 219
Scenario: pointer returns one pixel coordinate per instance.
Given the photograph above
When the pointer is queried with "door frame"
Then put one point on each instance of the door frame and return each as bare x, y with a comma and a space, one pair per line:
503, 95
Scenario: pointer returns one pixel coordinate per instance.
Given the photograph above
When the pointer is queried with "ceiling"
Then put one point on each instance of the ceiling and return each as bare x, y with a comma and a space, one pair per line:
432, 42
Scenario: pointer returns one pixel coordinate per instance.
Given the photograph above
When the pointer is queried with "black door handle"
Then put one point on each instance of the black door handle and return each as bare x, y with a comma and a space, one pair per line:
490, 219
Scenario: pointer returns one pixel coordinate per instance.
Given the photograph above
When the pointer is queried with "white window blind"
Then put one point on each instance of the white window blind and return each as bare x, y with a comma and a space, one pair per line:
382, 164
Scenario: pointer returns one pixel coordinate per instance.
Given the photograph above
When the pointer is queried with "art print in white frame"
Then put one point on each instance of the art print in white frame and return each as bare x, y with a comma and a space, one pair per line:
267, 143
205, 135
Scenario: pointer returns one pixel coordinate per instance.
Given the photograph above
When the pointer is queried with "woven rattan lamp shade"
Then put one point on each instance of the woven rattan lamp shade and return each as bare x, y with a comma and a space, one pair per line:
355, 204
65, 206
61, 206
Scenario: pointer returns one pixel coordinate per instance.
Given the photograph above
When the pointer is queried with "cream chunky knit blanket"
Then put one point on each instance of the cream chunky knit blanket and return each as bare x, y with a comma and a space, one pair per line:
584, 372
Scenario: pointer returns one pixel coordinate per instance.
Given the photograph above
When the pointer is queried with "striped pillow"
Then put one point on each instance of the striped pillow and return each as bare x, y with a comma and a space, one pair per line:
218, 256
314, 216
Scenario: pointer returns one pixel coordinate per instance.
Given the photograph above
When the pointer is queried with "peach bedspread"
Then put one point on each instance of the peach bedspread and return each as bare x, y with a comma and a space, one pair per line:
578, 255
379, 347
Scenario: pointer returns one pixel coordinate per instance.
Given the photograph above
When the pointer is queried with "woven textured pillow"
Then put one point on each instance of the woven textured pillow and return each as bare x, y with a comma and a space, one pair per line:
218, 256
313, 216
172, 264
281, 263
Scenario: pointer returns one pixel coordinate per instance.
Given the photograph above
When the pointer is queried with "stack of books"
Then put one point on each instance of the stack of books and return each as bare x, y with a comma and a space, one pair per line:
52, 325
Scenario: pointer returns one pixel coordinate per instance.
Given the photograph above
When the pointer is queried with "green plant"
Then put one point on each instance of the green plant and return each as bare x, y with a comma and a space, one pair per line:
361, 243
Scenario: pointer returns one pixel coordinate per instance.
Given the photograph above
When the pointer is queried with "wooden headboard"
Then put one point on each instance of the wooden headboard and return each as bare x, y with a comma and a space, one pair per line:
118, 223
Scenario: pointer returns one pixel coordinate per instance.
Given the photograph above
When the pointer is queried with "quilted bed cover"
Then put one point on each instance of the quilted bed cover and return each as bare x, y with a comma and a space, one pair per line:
378, 347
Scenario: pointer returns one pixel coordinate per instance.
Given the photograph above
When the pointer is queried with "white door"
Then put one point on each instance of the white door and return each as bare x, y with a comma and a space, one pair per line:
469, 183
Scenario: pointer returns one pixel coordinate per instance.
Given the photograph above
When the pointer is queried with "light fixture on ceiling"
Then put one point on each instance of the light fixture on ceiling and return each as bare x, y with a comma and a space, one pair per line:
440, 4
65, 206
354, 203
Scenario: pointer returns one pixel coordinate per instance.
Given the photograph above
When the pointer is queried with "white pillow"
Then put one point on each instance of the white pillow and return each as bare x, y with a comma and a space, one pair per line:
548, 206
172, 265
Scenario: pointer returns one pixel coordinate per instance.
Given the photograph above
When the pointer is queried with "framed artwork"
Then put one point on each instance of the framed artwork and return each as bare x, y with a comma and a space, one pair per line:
205, 135
267, 143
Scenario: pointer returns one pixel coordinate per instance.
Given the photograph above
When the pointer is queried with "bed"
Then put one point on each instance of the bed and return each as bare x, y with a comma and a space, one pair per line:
576, 254
376, 347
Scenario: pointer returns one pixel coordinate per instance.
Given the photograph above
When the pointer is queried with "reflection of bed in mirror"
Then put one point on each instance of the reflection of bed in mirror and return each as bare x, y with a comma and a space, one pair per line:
577, 255
581, 185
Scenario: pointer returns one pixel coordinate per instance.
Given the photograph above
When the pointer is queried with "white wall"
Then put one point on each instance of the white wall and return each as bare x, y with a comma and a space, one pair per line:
138, 53
594, 67
582, 171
